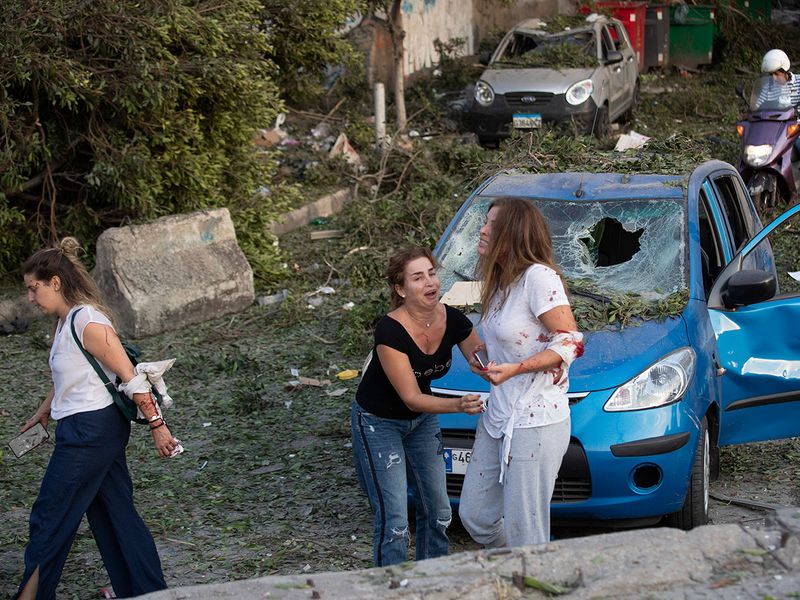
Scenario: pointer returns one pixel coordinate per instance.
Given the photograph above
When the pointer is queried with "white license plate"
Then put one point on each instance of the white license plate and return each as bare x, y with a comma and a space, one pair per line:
526, 121
456, 460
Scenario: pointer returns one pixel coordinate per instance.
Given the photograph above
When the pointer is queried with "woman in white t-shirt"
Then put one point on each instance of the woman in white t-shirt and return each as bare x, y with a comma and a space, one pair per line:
87, 473
531, 339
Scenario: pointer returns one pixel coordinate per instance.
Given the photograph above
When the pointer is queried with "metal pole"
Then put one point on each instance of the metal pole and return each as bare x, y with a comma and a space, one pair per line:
380, 115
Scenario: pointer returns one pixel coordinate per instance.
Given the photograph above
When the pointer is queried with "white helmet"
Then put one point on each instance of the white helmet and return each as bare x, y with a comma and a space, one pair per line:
775, 60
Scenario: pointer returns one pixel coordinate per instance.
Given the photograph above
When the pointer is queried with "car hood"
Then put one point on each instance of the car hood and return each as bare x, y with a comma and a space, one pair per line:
534, 80
610, 357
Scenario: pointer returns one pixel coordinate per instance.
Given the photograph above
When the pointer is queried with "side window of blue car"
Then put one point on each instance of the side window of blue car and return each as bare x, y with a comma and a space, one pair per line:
712, 256
743, 222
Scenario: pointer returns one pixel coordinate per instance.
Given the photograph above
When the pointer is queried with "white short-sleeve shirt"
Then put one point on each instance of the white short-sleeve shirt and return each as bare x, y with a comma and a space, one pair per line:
77, 386
512, 332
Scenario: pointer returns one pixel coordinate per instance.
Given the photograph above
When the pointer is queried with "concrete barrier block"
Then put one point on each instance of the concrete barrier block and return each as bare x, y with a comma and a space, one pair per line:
173, 271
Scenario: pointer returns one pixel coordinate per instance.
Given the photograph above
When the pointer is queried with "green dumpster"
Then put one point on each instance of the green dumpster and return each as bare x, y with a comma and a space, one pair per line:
691, 35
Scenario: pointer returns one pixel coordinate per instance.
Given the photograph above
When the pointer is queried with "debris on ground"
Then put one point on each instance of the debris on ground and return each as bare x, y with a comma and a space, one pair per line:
342, 147
631, 141
347, 374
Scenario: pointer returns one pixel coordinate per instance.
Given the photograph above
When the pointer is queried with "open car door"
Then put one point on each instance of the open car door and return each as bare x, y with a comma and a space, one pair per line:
758, 345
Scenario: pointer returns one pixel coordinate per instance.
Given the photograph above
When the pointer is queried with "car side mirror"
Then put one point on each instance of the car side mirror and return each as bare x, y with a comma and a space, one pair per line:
748, 287
613, 57
484, 58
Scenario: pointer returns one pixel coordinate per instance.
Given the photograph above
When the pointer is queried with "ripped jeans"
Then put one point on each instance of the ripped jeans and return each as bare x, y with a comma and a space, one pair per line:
392, 455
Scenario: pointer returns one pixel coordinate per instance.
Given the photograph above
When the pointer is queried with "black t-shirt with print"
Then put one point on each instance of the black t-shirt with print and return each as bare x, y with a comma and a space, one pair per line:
377, 395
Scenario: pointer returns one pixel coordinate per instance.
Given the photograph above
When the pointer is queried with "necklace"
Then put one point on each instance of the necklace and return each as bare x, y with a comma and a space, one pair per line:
421, 321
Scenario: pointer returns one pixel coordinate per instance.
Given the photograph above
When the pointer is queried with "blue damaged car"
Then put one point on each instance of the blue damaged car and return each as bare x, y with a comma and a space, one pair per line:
652, 400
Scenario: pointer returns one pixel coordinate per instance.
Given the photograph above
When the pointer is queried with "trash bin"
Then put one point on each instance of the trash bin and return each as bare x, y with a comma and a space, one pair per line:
632, 15
691, 35
656, 36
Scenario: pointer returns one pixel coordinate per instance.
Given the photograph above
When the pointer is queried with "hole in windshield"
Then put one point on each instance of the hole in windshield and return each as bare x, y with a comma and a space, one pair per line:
609, 243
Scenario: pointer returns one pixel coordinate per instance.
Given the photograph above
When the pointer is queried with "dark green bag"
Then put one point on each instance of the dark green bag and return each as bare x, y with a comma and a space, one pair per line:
125, 404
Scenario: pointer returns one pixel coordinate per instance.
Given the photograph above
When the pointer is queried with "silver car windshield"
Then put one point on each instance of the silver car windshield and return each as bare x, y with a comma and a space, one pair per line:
626, 246
530, 49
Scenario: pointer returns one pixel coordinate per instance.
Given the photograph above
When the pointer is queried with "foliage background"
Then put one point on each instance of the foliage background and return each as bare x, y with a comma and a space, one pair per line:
117, 110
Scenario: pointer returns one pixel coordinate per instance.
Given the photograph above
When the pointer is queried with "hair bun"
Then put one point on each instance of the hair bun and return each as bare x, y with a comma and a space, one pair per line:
69, 246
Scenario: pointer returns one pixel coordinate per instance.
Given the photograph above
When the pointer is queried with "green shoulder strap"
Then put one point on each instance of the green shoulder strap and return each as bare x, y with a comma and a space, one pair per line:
125, 404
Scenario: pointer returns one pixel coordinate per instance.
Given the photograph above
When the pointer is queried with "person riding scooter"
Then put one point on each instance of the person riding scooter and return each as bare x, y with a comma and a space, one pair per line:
770, 131
776, 63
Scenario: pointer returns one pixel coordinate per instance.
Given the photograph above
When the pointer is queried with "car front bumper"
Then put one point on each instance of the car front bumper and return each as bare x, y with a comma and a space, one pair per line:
621, 467
494, 122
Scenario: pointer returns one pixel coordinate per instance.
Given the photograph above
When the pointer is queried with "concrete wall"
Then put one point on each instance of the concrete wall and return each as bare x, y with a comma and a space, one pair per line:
426, 20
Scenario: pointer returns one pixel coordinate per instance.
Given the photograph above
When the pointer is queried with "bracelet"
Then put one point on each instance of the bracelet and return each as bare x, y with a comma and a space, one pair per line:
155, 417
157, 426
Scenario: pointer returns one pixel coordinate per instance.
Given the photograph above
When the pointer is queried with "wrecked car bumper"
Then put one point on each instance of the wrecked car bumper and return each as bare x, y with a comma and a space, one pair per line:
634, 482
495, 122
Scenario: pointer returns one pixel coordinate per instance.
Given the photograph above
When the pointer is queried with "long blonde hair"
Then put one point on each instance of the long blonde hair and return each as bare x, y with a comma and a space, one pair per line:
520, 238
77, 285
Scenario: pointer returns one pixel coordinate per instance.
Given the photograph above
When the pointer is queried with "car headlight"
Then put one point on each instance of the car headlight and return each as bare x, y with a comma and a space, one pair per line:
579, 93
755, 156
484, 94
662, 383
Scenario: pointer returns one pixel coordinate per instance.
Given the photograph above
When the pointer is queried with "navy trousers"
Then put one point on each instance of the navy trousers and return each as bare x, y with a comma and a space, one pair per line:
88, 475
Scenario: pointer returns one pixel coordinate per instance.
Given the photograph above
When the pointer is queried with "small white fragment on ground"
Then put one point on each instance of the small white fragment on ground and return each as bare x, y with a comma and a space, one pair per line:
795, 275
403, 582
337, 392
349, 306
630, 141
206, 424
307, 568
353, 538
294, 372
292, 455
348, 444
287, 403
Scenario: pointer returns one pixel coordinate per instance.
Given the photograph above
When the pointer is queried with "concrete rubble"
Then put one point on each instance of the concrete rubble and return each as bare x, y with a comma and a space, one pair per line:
136, 271
716, 561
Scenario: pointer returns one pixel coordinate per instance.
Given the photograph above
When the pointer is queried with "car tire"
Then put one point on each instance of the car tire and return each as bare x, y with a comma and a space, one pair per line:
602, 125
694, 511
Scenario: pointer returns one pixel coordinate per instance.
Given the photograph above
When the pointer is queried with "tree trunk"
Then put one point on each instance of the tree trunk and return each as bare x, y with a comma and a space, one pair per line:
398, 35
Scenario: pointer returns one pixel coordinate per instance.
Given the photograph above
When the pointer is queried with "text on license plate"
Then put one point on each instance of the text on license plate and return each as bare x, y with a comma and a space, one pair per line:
456, 460
533, 121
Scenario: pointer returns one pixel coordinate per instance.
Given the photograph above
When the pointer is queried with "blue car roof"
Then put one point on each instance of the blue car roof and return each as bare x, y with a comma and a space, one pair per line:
585, 186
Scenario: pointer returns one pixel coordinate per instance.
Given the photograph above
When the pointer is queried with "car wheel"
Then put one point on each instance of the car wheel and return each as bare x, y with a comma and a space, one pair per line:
694, 511
602, 126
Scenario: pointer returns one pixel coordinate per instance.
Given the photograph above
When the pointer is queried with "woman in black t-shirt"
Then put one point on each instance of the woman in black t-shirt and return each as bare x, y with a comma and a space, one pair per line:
397, 442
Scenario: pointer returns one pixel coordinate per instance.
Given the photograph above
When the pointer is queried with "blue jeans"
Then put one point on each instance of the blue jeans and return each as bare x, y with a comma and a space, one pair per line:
392, 455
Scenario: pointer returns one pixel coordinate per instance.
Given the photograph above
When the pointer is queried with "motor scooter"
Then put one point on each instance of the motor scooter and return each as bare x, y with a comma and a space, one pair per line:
768, 160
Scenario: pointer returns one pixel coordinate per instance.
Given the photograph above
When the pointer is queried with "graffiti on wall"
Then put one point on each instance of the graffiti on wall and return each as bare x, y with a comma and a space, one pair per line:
427, 20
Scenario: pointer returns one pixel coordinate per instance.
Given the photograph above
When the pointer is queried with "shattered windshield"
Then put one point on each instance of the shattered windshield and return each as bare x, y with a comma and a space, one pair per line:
612, 247
570, 50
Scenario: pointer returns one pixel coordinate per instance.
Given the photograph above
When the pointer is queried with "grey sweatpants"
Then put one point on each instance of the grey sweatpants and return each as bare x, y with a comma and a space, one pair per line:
516, 512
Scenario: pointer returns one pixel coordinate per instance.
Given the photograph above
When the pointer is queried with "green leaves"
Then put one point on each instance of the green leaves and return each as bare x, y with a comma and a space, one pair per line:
128, 110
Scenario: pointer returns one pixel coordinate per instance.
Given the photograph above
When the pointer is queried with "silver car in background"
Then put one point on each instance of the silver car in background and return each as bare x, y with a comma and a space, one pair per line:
585, 77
